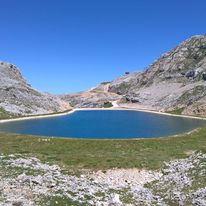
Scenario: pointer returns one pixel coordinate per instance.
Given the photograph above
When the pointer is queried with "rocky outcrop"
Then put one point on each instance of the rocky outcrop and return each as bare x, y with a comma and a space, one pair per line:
176, 80
18, 98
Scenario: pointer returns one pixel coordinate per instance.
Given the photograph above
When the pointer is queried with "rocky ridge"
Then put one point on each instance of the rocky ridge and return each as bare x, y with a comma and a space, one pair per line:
175, 81
95, 97
18, 98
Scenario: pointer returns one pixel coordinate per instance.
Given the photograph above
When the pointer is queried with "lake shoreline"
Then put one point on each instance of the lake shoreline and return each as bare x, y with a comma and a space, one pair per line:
99, 109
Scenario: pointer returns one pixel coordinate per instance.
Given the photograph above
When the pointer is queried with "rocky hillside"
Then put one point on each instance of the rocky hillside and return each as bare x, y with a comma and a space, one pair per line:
17, 97
175, 82
94, 97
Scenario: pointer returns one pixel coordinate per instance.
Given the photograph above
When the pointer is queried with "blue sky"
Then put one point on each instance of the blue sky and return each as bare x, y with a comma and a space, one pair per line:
64, 46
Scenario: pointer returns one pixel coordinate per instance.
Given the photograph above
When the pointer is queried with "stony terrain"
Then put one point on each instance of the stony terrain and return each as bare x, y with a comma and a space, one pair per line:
93, 98
17, 97
27, 181
175, 82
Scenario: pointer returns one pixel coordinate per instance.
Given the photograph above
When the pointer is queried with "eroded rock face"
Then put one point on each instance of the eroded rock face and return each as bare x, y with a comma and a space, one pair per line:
163, 83
18, 97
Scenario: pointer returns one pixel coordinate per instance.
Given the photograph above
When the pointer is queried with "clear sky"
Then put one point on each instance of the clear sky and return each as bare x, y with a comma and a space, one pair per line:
64, 46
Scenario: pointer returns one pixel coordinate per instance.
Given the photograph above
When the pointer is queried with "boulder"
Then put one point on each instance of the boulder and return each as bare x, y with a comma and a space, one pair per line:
190, 73
204, 76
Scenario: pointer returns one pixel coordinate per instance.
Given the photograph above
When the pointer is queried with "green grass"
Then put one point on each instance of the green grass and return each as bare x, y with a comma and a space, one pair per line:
59, 201
176, 111
103, 154
107, 105
105, 83
4, 114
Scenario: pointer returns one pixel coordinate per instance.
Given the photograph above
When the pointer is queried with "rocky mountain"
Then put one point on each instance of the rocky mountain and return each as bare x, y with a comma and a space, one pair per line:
176, 82
95, 97
17, 97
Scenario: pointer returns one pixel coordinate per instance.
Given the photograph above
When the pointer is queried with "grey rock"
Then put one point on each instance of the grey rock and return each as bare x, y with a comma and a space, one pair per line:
168, 78
190, 74
167, 187
204, 76
19, 98
93, 98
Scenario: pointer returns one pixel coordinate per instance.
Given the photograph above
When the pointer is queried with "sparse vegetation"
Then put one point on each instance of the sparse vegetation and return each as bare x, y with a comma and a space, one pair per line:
107, 104
4, 114
176, 111
59, 201
105, 83
192, 95
122, 88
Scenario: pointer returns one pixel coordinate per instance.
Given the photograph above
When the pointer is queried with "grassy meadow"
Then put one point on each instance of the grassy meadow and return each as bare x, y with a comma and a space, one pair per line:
105, 154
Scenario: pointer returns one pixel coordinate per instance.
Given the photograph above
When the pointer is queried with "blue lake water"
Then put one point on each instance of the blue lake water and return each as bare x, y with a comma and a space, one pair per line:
105, 124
